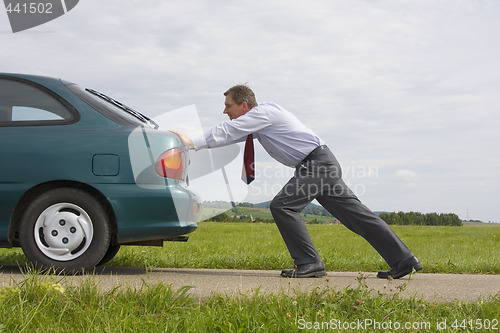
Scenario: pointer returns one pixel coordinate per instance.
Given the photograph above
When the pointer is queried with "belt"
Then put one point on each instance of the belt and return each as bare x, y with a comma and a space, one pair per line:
312, 155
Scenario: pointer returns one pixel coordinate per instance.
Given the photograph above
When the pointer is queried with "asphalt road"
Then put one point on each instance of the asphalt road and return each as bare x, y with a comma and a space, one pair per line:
204, 282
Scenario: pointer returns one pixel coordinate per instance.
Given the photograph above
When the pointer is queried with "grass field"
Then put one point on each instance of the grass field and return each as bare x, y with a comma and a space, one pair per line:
40, 304
474, 249
468, 249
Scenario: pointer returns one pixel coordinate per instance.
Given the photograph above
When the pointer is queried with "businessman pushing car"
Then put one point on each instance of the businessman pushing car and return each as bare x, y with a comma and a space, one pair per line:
318, 175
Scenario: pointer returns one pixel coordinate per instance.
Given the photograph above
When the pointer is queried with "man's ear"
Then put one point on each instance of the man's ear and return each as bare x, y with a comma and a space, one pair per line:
246, 108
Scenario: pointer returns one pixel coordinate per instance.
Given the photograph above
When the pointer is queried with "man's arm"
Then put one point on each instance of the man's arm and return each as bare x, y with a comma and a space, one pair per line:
186, 140
228, 132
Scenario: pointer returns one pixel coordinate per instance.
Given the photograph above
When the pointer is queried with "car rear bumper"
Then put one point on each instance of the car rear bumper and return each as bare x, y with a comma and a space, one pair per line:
153, 213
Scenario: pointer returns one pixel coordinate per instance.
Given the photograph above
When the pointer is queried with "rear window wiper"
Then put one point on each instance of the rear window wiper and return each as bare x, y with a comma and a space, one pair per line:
125, 108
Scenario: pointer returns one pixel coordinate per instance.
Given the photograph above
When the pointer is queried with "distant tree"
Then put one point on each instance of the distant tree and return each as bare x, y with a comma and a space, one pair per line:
223, 217
246, 204
432, 219
386, 217
415, 218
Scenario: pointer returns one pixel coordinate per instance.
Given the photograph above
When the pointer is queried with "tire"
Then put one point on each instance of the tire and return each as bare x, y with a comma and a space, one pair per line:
110, 254
65, 229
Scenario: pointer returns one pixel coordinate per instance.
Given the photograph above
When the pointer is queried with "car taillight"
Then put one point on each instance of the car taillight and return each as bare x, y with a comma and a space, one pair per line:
171, 164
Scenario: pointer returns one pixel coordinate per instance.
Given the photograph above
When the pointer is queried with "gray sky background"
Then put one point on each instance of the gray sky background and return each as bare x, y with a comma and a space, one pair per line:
405, 93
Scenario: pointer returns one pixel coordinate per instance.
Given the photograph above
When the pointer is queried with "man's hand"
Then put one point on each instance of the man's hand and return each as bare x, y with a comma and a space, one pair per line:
186, 140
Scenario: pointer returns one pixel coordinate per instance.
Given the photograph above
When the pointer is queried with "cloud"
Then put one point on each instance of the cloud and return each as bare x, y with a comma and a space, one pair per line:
395, 84
406, 176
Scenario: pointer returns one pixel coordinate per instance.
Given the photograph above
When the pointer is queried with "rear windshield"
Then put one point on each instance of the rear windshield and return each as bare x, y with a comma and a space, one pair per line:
111, 108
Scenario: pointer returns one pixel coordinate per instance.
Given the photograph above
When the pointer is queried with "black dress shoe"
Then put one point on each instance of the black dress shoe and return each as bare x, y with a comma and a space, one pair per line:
402, 268
316, 269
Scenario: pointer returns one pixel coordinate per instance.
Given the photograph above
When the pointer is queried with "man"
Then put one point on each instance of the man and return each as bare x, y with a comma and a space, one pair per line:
317, 176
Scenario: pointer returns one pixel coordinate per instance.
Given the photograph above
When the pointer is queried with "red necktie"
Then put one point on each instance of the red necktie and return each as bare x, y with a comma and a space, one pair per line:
248, 172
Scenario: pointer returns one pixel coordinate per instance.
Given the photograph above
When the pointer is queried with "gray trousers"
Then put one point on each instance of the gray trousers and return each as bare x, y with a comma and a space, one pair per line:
319, 177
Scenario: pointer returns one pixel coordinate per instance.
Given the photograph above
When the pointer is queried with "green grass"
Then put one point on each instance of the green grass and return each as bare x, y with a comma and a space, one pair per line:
259, 246
468, 249
40, 304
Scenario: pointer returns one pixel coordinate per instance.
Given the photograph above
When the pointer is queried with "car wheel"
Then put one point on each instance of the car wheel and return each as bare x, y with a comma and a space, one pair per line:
112, 251
65, 229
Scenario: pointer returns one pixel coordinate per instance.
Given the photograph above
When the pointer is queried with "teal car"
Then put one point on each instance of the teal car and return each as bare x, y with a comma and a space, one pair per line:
82, 174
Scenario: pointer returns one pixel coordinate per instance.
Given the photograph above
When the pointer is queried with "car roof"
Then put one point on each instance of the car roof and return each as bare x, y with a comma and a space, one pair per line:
69, 97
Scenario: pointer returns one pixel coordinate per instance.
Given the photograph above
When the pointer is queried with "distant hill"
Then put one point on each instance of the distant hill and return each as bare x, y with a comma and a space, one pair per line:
308, 207
378, 213
263, 204
314, 213
311, 208
267, 203
260, 212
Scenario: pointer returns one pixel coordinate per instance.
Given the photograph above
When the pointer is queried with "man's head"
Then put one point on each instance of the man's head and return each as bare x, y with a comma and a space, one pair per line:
239, 100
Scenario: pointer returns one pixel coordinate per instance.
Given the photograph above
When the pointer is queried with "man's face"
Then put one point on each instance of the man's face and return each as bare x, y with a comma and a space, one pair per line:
234, 110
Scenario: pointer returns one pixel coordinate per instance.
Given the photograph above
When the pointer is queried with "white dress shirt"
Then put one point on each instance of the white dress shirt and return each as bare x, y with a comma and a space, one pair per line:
281, 134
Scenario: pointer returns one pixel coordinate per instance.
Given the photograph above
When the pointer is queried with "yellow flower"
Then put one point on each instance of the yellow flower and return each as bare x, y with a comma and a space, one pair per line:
52, 287
7, 290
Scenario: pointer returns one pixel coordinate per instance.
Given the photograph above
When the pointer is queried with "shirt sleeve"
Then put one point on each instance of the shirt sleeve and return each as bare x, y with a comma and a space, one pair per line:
233, 131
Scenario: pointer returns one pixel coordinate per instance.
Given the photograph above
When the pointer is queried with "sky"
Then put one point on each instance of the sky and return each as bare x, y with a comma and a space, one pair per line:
405, 93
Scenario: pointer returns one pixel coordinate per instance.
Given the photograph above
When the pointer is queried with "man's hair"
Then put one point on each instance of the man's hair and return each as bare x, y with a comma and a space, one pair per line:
242, 93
